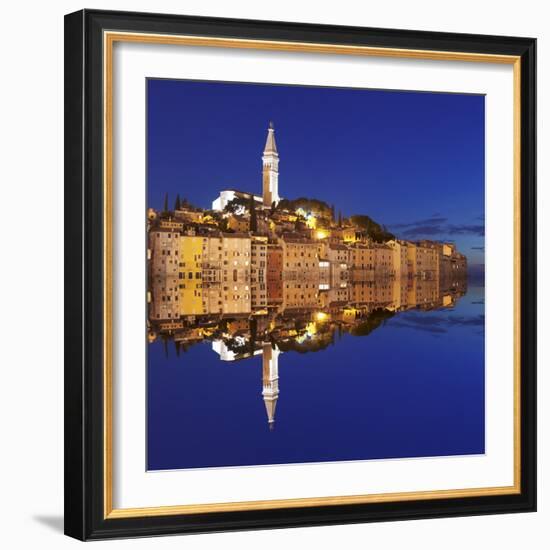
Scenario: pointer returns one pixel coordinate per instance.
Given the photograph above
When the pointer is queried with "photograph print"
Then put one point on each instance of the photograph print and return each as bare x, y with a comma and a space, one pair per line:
315, 274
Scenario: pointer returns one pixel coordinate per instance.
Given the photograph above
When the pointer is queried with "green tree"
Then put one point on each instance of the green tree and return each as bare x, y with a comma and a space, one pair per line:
318, 207
166, 202
177, 204
236, 204
372, 322
223, 225
375, 231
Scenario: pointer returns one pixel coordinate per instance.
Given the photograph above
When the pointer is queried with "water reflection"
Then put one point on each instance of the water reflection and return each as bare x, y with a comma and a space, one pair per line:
308, 318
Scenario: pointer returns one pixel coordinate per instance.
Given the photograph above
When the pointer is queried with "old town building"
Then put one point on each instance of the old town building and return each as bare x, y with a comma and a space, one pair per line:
258, 255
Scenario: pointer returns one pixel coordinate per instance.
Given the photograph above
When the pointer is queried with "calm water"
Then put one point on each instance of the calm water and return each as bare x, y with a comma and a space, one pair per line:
412, 387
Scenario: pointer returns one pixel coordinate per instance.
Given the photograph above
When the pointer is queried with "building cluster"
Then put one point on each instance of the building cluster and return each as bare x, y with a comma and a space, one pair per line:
244, 273
247, 255
255, 270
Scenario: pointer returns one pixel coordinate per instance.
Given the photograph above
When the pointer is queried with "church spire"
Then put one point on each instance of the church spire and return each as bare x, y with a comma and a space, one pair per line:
270, 163
270, 145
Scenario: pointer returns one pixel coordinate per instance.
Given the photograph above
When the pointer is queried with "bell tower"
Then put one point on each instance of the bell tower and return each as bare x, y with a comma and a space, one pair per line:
270, 162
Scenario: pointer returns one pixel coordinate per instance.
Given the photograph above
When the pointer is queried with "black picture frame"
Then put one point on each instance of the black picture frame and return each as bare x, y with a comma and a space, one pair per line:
84, 281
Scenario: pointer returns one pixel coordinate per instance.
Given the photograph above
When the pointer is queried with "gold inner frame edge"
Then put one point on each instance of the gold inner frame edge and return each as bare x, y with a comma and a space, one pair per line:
109, 39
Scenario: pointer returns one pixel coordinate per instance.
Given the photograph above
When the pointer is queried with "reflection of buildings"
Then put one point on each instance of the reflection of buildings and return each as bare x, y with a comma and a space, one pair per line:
258, 272
274, 274
308, 328
264, 275
270, 381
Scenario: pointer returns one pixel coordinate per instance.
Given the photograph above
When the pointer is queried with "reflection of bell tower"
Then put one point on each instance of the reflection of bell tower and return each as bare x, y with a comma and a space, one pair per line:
270, 160
270, 379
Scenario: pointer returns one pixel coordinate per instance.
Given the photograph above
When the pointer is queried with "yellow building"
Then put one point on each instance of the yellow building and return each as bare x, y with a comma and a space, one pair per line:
190, 275
448, 249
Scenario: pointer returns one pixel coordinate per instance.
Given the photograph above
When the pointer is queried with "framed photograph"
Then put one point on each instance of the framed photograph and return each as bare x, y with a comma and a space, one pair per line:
300, 274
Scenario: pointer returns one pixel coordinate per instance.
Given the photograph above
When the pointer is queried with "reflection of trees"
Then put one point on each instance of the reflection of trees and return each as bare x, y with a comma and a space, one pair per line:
239, 345
318, 342
300, 330
302, 333
372, 322
268, 335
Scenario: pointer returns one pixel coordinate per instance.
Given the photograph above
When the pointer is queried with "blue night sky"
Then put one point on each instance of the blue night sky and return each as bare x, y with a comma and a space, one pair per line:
413, 161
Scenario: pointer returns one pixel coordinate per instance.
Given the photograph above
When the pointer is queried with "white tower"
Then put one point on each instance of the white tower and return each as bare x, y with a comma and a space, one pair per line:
270, 381
270, 160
